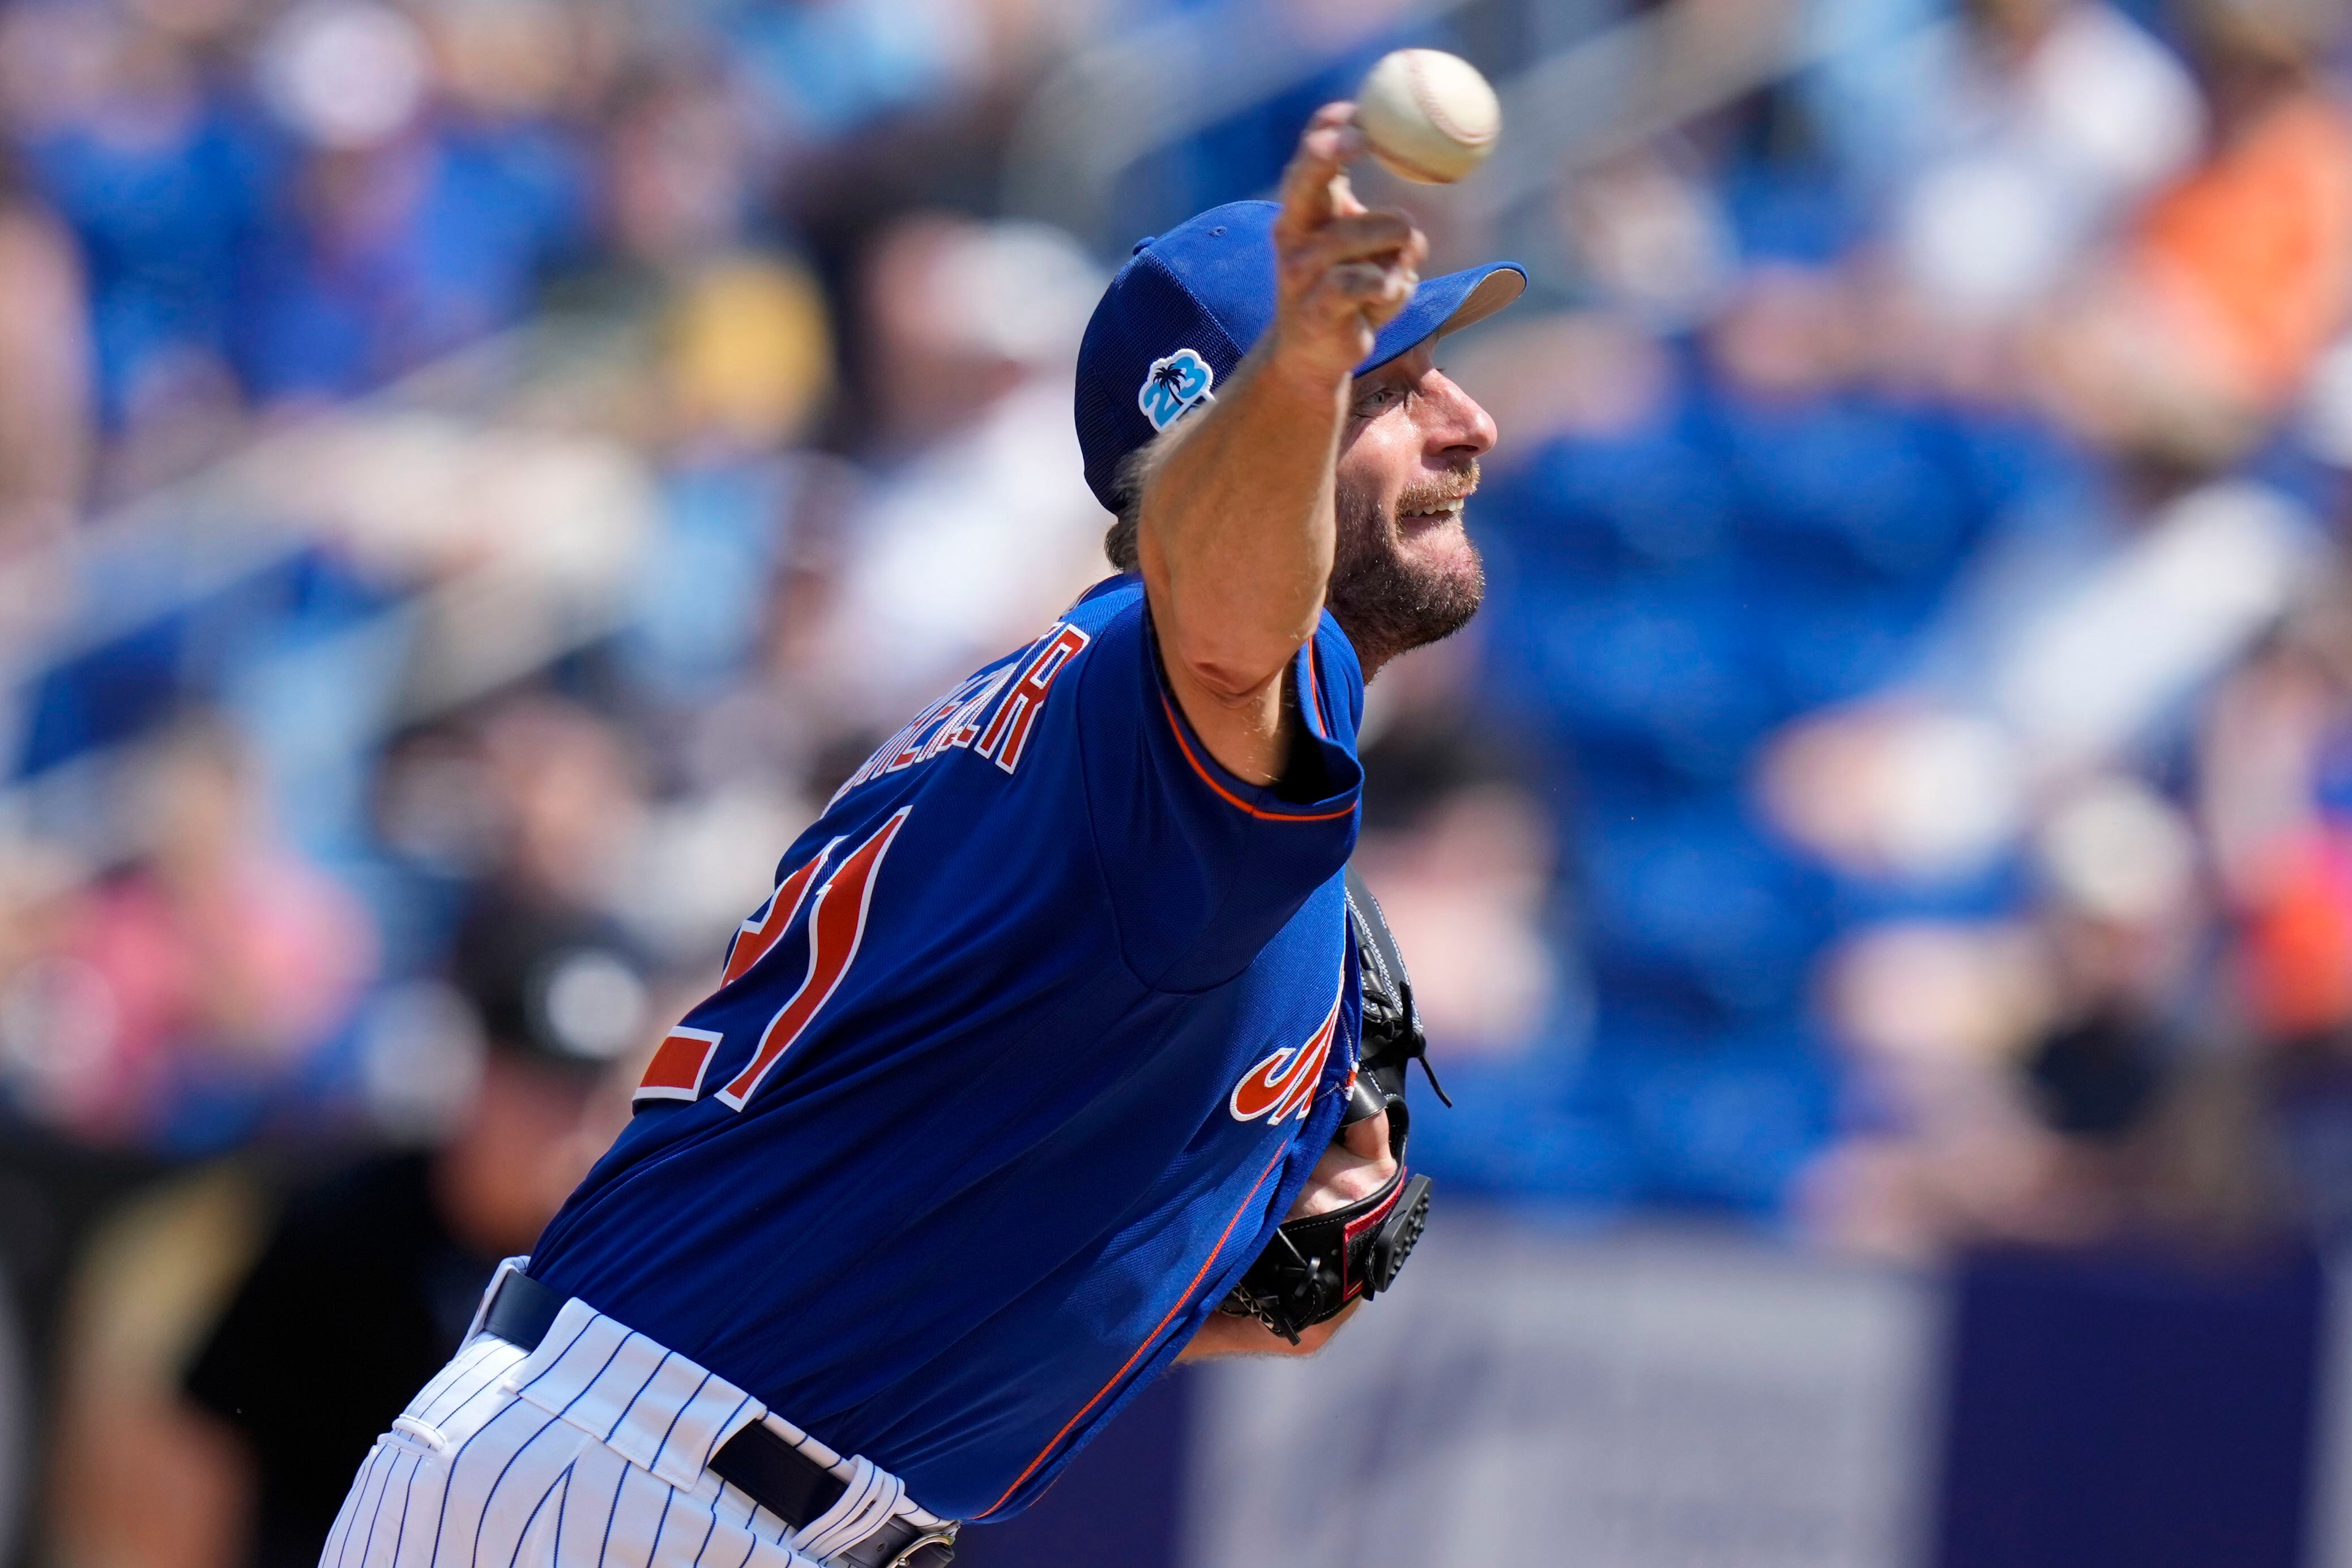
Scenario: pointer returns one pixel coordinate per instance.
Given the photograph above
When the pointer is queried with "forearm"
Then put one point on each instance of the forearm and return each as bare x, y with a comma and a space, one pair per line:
1225, 1336
1236, 528
1357, 1165
1237, 525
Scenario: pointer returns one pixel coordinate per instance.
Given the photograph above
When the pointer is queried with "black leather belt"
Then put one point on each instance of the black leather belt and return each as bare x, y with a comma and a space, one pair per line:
755, 1460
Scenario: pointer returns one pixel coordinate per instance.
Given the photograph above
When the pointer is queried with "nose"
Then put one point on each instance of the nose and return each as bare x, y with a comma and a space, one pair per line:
1458, 427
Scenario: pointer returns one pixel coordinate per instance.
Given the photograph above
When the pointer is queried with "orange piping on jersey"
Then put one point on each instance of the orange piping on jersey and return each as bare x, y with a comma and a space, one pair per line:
1208, 1263
1178, 729
1313, 694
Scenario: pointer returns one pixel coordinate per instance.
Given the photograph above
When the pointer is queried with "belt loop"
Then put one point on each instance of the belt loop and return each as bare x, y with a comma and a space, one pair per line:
918, 1553
499, 1277
872, 1498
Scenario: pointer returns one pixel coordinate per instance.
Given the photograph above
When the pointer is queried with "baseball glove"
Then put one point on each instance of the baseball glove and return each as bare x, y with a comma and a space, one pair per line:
1315, 1266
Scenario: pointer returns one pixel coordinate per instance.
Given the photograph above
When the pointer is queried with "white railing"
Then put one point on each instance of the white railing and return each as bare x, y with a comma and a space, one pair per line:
506, 544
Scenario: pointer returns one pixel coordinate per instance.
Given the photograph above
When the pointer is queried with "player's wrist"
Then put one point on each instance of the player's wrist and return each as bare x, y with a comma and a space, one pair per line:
1223, 1335
1312, 360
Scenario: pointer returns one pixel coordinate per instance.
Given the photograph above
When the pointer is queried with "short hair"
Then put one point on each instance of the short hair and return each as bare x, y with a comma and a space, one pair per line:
1120, 541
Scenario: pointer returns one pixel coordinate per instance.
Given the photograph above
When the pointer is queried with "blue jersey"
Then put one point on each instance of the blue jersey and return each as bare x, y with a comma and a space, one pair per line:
1034, 1044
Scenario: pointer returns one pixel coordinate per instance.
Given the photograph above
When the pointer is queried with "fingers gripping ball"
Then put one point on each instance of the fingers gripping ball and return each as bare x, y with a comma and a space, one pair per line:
1428, 116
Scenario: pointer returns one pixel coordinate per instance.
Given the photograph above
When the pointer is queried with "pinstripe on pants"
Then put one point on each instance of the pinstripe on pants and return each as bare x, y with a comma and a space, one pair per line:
589, 1451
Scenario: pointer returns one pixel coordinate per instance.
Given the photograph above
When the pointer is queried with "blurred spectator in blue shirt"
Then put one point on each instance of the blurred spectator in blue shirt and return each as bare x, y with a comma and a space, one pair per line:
409, 227
164, 180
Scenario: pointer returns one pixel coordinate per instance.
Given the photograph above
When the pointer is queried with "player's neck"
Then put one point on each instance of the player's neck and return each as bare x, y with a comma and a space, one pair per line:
1372, 654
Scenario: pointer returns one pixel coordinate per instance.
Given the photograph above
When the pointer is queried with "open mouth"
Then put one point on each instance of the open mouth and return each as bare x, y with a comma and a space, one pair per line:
1426, 518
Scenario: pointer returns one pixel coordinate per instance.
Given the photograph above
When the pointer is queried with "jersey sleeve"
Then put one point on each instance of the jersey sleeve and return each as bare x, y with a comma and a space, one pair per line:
1203, 867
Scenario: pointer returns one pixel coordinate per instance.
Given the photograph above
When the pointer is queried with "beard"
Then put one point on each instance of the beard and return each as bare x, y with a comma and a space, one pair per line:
1392, 593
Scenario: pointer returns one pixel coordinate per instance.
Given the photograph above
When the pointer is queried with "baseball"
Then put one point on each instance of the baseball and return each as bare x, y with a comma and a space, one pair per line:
1429, 116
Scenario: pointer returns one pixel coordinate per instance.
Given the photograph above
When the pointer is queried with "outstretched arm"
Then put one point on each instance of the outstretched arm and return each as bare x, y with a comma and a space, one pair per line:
1237, 527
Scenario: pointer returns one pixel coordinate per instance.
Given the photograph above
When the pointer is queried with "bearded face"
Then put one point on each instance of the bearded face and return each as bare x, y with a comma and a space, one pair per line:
1404, 572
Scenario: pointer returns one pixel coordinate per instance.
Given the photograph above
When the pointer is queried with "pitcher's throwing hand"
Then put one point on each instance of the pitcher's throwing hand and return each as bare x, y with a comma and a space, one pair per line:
1343, 271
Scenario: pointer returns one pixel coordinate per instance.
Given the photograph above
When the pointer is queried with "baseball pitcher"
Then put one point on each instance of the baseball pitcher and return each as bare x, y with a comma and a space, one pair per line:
1057, 1015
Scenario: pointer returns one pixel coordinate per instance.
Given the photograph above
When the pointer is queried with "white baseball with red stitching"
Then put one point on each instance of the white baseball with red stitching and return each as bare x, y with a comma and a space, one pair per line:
1429, 116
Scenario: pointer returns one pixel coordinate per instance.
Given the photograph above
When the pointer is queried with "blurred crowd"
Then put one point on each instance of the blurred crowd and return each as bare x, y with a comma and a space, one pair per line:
475, 475
1918, 571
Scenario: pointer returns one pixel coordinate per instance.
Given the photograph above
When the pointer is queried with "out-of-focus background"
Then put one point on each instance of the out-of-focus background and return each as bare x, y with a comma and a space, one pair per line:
476, 474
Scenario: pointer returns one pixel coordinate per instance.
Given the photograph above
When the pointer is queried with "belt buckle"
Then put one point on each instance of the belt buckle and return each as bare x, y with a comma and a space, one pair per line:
911, 1554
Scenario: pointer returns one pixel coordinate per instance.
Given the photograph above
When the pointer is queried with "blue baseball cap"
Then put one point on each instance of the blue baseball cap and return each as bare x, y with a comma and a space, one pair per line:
1188, 305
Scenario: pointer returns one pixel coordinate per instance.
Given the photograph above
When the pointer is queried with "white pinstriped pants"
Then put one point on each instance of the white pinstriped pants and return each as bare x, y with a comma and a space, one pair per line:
588, 1452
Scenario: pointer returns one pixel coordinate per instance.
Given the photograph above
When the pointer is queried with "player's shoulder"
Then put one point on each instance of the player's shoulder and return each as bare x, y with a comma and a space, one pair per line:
1121, 599
1117, 610
1109, 620
1108, 602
